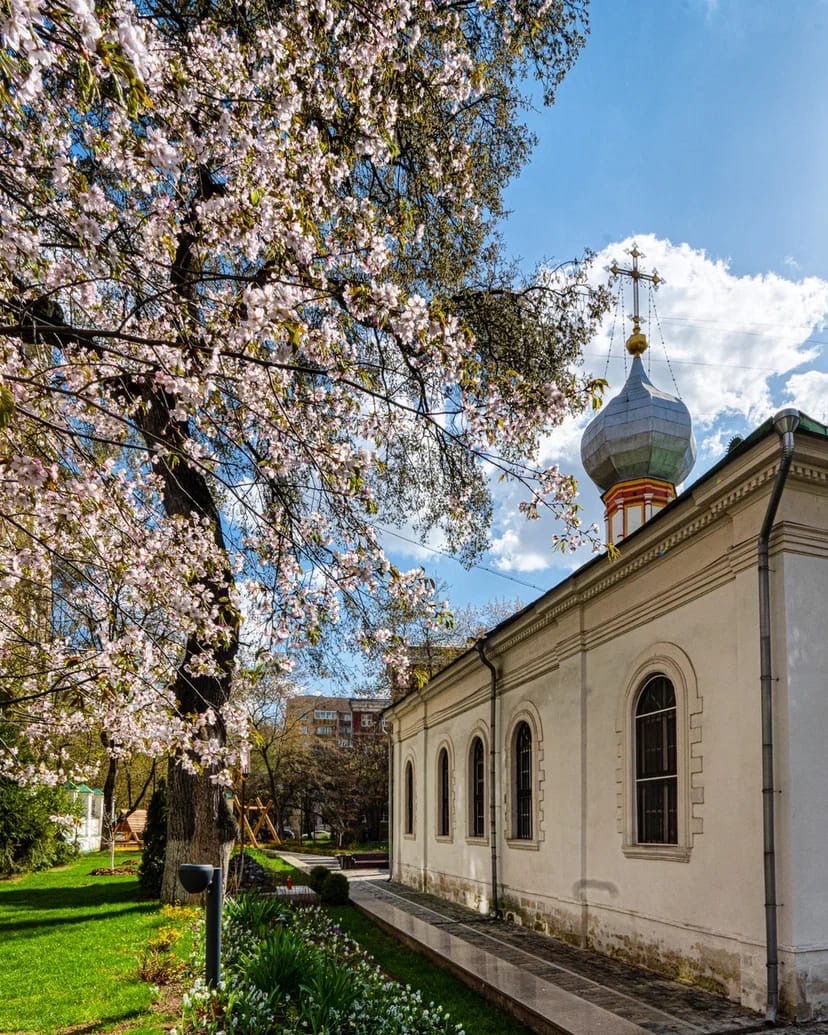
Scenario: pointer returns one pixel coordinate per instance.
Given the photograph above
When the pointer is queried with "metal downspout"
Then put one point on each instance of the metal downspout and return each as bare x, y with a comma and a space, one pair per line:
391, 816
494, 908
785, 423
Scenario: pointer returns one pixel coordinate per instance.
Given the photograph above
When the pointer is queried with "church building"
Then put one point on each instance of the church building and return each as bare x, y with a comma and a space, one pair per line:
636, 762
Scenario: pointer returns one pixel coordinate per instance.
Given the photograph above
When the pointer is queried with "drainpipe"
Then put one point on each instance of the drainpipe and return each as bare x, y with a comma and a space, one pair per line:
494, 909
785, 423
391, 816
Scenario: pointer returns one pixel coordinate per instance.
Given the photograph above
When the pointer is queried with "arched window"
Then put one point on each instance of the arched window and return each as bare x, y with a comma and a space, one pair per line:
443, 828
409, 798
477, 776
656, 773
523, 782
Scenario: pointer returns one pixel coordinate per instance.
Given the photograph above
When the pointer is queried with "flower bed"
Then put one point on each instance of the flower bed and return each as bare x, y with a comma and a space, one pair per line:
297, 973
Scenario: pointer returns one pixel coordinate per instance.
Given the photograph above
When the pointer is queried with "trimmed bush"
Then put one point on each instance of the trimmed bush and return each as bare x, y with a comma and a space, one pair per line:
317, 877
335, 890
151, 870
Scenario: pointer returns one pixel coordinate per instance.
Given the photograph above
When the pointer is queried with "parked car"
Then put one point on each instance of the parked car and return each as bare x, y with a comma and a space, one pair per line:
288, 834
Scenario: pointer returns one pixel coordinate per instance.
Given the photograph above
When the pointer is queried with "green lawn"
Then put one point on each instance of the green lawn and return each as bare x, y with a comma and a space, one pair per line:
69, 950
477, 1016
70, 946
276, 866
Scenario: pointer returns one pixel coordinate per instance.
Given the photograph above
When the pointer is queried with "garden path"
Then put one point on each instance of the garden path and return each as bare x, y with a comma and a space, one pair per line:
550, 986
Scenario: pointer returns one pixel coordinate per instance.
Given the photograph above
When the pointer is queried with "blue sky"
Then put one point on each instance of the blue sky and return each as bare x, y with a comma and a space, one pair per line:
702, 122
698, 128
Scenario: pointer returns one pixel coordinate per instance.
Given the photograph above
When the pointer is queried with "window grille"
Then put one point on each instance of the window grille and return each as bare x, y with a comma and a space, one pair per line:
523, 782
443, 784
656, 774
478, 787
409, 798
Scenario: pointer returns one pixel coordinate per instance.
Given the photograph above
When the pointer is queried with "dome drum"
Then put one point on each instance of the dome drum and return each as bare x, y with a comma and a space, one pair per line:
631, 503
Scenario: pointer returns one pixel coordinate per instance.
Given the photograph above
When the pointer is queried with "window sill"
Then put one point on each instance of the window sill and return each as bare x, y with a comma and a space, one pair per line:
470, 840
666, 853
410, 837
445, 839
524, 844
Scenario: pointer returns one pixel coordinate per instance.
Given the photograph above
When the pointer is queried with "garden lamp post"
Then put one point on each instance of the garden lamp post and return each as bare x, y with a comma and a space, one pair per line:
198, 877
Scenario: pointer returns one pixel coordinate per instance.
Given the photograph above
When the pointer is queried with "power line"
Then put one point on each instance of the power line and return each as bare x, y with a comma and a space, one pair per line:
445, 553
702, 363
737, 327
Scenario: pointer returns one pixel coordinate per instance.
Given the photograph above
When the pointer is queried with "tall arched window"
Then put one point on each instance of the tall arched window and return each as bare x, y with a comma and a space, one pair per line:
656, 774
523, 782
477, 776
443, 827
409, 798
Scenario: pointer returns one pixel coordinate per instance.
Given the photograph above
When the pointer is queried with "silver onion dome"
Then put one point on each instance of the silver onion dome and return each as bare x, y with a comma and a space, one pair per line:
641, 433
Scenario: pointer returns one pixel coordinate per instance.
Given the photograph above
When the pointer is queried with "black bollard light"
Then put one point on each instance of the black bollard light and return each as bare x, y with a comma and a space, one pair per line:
198, 877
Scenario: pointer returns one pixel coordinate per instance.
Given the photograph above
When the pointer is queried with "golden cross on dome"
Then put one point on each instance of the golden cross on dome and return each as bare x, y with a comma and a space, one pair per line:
637, 342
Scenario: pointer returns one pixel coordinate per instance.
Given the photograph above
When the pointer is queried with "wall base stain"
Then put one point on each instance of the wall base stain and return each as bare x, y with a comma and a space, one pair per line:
721, 971
718, 971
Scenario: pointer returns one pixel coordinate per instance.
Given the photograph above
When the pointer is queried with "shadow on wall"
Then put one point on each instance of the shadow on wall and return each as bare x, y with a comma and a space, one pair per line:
581, 887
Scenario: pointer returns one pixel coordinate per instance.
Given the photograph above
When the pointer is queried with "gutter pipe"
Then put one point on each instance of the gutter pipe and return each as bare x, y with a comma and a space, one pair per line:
391, 815
785, 424
494, 908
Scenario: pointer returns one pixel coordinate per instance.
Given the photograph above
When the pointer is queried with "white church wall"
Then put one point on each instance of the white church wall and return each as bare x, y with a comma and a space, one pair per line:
682, 600
658, 906
803, 768
459, 865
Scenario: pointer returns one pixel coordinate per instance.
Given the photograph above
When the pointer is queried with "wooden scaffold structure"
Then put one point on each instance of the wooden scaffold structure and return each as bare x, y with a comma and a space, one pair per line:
255, 810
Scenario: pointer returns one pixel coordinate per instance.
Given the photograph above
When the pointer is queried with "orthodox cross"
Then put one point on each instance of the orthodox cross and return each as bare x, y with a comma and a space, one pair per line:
635, 274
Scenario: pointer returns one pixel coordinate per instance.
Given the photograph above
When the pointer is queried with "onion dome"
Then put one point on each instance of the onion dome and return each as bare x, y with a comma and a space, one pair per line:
641, 433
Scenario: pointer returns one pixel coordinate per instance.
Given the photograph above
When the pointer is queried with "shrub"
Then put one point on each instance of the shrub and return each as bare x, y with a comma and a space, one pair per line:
335, 890
31, 832
158, 963
256, 912
317, 878
330, 993
281, 964
151, 871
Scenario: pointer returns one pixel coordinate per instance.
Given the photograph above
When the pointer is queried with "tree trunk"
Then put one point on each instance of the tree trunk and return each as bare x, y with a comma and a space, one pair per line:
200, 828
107, 823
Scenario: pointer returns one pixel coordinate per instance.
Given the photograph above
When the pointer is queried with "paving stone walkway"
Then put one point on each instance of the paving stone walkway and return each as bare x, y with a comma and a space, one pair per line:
563, 988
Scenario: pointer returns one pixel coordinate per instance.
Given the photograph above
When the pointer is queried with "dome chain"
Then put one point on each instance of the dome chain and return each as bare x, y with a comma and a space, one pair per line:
666, 355
649, 328
612, 335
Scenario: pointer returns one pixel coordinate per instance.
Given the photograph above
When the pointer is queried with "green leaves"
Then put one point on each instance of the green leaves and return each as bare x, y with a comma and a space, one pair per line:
6, 406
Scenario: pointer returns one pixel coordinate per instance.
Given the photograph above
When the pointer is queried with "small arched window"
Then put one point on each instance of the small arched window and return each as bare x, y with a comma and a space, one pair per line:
523, 782
478, 788
409, 798
656, 773
443, 821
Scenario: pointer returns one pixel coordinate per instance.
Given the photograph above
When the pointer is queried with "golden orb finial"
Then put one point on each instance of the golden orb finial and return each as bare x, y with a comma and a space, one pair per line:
637, 341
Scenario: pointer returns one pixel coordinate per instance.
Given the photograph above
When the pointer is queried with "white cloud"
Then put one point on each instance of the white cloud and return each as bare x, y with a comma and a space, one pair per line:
406, 540
513, 551
809, 392
728, 339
